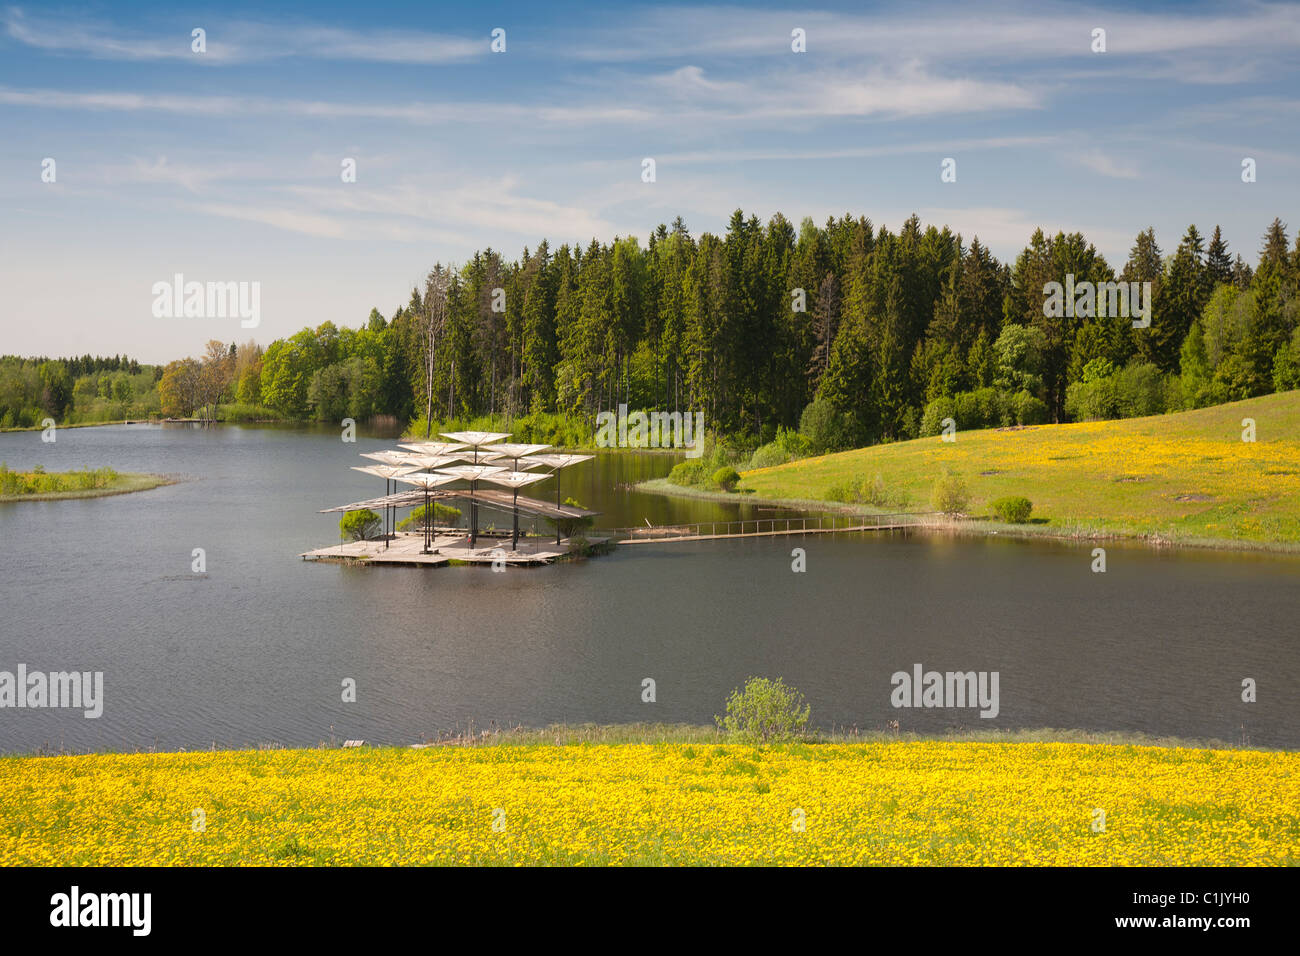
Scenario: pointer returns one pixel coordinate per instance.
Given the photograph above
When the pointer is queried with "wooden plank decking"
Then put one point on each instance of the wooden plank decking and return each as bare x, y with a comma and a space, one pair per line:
404, 549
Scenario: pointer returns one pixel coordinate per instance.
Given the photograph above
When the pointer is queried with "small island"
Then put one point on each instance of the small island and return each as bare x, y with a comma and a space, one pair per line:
41, 485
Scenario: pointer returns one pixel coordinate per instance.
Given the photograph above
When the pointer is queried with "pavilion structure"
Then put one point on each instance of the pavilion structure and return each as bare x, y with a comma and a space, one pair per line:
476, 468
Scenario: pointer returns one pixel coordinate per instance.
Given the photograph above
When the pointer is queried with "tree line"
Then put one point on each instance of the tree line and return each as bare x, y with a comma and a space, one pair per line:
875, 328
853, 332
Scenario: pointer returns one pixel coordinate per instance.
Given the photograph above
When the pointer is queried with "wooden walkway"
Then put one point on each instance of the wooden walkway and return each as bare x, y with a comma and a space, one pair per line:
771, 527
404, 549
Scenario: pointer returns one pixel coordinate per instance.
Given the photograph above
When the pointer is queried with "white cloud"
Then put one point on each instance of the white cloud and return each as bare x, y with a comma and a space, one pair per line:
290, 220
473, 214
1106, 165
1026, 32
238, 41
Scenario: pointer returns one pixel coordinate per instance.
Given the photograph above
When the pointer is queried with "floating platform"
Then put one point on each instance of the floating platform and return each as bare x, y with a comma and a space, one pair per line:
405, 550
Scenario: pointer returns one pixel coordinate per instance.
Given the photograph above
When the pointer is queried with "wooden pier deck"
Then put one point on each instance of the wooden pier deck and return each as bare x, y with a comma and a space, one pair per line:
404, 549
773, 527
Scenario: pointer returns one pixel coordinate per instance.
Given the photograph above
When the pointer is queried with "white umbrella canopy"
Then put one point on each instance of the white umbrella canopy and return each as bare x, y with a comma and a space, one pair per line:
430, 461
530, 462
386, 471
559, 461
433, 447
387, 457
427, 481
515, 479
513, 450
471, 472
476, 439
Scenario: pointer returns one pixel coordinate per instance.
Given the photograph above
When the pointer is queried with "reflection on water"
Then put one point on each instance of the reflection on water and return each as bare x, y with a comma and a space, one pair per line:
256, 649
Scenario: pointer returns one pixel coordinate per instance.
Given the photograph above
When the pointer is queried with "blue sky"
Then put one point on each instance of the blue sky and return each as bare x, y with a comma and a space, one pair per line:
224, 165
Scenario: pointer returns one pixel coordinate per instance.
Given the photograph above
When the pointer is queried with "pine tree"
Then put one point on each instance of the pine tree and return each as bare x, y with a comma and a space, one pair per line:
825, 323
1218, 263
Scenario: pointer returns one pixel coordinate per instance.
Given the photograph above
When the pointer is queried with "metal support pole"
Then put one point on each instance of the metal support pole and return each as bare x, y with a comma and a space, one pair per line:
424, 520
514, 541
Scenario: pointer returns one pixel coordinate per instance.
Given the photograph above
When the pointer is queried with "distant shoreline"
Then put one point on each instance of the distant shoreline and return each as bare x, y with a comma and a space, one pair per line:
156, 421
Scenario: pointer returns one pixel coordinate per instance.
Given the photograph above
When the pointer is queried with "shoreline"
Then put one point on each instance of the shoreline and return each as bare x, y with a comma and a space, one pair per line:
980, 527
562, 736
158, 421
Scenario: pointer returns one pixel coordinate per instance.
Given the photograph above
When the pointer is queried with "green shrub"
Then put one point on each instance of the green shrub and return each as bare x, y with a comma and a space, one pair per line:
1029, 409
875, 493
689, 472
726, 478
359, 525
843, 492
1138, 389
950, 495
442, 515
1286, 364
766, 711
824, 429
982, 408
767, 456
1013, 509
869, 491
793, 444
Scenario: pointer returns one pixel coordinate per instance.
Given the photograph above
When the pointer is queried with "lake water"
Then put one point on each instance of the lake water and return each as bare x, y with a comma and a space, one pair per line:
256, 650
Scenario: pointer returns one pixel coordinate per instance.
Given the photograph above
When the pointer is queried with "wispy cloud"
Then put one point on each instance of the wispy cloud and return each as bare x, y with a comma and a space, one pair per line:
209, 105
670, 100
951, 33
1106, 165
485, 211
237, 41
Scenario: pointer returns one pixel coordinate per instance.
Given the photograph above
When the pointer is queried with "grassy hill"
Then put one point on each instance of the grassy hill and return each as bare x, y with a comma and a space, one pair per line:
1186, 477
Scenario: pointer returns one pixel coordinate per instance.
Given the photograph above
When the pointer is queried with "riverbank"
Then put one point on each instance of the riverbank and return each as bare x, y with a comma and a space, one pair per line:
1186, 479
529, 801
118, 484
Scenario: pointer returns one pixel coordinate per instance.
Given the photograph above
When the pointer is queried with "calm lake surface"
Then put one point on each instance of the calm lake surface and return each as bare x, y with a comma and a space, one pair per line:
256, 650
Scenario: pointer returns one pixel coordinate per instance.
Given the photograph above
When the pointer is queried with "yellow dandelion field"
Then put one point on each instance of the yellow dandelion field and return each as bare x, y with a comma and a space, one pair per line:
925, 802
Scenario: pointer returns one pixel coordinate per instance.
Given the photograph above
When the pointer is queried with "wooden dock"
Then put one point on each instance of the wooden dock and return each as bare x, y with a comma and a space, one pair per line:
405, 547
772, 527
